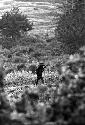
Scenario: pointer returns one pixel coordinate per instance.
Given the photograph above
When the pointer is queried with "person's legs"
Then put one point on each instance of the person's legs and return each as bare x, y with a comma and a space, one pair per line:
39, 78
42, 80
37, 81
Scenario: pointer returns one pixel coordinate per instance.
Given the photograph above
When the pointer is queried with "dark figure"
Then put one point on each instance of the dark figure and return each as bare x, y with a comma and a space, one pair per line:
1, 79
39, 72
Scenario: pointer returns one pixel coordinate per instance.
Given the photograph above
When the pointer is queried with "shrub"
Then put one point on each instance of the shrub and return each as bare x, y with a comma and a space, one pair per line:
14, 23
9, 70
69, 106
71, 28
18, 59
20, 67
33, 68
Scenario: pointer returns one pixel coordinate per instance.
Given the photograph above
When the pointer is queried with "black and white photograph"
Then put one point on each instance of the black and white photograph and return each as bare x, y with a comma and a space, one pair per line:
42, 62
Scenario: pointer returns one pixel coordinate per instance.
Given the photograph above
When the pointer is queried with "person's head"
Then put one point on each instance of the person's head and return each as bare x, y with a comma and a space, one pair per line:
41, 63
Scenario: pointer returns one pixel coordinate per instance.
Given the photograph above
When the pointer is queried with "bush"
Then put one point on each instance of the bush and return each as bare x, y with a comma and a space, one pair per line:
20, 67
33, 68
69, 106
18, 59
14, 23
9, 70
71, 28
66, 98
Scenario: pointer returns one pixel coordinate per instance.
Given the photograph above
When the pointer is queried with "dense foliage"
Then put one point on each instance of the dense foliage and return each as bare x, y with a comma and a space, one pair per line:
70, 27
61, 100
13, 24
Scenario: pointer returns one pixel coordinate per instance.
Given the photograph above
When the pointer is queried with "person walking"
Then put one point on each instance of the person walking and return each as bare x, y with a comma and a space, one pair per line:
39, 72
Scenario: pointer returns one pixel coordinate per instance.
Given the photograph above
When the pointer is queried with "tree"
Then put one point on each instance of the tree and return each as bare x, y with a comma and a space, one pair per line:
71, 25
14, 23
